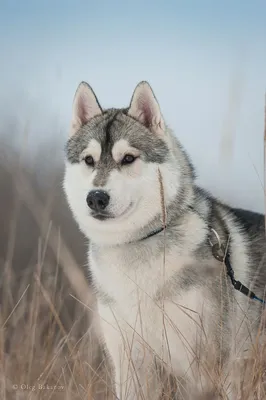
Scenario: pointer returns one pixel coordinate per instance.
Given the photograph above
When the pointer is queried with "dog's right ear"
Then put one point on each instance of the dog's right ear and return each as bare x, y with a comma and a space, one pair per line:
85, 107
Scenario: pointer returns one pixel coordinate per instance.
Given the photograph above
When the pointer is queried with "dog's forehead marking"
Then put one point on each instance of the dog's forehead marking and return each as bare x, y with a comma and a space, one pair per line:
121, 148
111, 127
94, 149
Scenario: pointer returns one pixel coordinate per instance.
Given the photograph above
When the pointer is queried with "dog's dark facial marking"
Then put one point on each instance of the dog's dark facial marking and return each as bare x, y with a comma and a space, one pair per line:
106, 163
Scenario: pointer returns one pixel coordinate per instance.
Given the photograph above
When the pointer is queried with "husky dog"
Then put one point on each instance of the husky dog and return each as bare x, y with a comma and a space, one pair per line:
157, 250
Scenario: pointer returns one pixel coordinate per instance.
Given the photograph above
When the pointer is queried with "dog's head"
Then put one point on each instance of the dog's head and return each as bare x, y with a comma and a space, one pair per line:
119, 164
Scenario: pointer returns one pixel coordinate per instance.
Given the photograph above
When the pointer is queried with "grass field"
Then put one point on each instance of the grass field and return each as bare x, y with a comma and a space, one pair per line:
47, 349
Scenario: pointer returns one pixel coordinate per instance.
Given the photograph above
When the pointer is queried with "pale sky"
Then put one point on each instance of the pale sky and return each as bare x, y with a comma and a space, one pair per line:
205, 60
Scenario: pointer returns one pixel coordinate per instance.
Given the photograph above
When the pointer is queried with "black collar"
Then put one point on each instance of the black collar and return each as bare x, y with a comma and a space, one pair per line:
159, 230
153, 233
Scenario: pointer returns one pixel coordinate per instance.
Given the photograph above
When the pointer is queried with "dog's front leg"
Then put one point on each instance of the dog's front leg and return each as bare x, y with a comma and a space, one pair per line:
134, 367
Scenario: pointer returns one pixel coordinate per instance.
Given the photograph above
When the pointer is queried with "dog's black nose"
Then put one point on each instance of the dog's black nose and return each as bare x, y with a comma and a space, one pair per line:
98, 200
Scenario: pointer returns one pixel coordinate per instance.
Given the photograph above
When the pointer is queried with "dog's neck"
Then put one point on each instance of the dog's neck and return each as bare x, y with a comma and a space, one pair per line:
170, 220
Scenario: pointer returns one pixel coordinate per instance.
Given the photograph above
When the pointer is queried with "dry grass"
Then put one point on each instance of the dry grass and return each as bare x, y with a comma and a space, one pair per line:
47, 350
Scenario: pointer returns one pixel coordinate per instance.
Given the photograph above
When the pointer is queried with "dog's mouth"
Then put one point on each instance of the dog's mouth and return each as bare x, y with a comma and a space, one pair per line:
104, 215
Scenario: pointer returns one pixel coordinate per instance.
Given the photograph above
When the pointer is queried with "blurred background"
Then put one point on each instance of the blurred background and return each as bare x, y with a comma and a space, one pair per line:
206, 62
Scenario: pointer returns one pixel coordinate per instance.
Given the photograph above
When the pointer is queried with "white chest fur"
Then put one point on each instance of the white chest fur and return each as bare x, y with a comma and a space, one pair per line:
126, 273
132, 281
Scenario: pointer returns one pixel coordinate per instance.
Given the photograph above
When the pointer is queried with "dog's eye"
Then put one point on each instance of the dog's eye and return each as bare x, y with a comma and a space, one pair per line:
128, 159
89, 161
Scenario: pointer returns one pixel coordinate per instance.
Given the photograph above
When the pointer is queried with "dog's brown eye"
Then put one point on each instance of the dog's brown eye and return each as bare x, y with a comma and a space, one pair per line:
89, 161
128, 159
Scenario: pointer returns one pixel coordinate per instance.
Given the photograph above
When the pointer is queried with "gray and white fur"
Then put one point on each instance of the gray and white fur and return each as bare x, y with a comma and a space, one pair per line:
164, 301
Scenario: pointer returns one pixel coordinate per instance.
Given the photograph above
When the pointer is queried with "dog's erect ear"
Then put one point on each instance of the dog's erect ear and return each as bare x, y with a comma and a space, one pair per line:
85, 107
145, 108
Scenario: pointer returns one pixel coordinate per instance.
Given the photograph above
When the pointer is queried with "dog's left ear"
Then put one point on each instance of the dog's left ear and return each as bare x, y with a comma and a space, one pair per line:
145, 108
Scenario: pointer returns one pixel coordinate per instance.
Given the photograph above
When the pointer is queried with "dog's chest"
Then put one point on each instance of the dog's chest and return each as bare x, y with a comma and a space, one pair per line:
129, 287
130, 279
